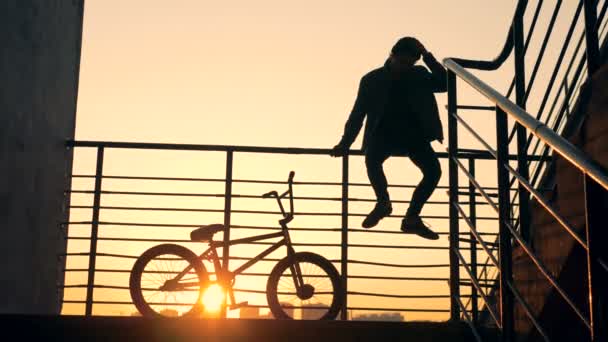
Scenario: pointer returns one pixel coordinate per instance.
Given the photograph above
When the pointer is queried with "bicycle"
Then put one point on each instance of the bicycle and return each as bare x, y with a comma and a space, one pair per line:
181, 277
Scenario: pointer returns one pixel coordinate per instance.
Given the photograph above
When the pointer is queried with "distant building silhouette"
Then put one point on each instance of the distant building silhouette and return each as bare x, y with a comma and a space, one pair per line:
313, 311
249, 312
288, 308
169, 313
385, 316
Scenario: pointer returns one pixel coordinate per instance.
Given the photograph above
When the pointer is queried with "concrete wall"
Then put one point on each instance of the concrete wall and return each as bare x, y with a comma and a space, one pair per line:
40, 44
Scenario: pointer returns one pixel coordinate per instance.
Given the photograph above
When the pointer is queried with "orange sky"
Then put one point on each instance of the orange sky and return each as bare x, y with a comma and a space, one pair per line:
263, 73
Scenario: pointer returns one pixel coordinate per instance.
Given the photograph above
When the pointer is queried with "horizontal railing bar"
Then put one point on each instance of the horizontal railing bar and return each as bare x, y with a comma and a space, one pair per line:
258, 212
486, 285
169, 225
527, 310
125, 256
396, 309
176, 194
371, 263
476, 284
547, 206
466, 193
254, 274
107, 302
247, 149
262, 243
351, 199
359, 230
370, 294
473, 230
541, 267
354, 293
476, 107
355, 230
544, 133
221, 180
397, 278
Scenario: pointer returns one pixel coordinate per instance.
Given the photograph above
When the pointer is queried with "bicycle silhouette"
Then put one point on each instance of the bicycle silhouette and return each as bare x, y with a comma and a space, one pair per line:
168, 276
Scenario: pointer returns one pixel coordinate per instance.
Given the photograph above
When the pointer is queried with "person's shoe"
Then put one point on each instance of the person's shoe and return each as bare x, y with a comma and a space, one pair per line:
380, 211
414, 225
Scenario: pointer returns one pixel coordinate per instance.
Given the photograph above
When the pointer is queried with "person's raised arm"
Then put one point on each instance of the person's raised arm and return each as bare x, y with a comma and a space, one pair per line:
353, 124
437, 78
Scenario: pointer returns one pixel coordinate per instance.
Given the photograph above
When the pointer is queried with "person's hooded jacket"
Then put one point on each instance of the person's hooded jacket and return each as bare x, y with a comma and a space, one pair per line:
372, 98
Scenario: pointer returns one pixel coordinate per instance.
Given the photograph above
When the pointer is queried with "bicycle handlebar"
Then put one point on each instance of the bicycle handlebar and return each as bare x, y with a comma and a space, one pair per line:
288, 192
291, 175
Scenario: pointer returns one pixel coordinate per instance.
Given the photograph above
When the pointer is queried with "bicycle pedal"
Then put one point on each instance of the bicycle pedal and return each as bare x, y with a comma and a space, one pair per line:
238, 305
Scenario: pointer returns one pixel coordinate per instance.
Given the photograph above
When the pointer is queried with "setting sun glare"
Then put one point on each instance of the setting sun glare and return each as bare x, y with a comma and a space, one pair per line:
213, 298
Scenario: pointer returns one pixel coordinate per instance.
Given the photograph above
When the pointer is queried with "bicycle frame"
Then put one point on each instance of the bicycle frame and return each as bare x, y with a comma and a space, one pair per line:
224, 277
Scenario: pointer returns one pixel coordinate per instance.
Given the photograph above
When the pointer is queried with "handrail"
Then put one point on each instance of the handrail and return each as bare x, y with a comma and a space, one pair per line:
504, 53
544, 133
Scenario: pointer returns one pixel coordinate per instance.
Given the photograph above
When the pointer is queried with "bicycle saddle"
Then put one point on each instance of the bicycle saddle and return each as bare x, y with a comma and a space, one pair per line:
205, 233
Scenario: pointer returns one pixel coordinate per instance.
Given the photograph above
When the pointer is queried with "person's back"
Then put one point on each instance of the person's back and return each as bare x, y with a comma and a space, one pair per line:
402, 117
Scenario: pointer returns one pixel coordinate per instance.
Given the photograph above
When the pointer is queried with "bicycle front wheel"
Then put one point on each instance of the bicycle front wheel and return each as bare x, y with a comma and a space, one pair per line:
318, 297
157, 289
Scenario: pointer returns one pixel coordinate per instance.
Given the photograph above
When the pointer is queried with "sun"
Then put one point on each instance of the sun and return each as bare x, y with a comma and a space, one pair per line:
213, 298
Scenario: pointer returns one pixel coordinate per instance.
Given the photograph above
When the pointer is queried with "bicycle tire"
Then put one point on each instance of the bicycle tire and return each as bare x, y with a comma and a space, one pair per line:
135, 280
272, 293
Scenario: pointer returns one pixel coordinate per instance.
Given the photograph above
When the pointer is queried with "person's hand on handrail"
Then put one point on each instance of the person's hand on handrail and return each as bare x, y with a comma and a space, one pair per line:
338, 151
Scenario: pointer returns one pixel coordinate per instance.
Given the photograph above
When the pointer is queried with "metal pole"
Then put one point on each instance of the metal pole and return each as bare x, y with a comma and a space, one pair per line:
522, 135
506, 297
453, 197
344, 248
594, 194
591, 37
473, 244
227, 211
595, 203
94, 231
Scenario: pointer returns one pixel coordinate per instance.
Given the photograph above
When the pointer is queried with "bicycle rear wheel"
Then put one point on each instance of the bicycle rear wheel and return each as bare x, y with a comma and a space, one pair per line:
156, 290
318, 298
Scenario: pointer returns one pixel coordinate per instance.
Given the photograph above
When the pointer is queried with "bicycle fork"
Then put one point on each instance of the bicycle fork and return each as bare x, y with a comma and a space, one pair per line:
303, 291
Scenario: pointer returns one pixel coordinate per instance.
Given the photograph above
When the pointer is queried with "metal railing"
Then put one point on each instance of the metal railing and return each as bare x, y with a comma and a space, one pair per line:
108, 206
516, 229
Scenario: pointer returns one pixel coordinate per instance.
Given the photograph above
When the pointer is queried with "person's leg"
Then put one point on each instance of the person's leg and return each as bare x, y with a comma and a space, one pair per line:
374, 158
426, 160
373, 163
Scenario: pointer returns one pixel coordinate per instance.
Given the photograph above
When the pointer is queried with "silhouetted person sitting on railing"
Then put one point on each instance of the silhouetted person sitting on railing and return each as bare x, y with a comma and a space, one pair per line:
402, 118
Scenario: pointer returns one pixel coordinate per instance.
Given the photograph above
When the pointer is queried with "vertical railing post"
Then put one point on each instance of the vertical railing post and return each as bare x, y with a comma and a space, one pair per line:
591, 37
595, 197
502, 153
453, 197
94, 231
227, 212
522, 135
344, 239
473, 246
594, 194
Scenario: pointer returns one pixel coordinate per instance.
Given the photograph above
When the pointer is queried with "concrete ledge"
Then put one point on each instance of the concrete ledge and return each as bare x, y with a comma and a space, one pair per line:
78, 328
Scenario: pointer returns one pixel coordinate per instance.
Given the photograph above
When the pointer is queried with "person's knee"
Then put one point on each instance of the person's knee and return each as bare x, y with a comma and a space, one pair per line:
372, 163
434, 173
